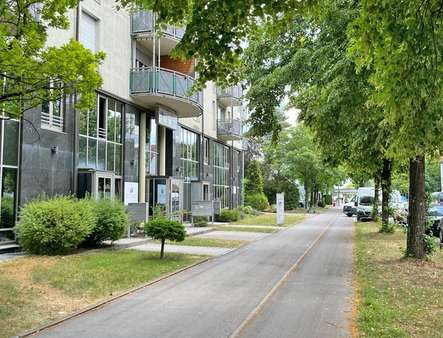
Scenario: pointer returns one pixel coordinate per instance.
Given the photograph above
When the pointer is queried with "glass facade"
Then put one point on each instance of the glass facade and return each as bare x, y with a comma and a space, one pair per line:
189, 155
9, 136
221, 162
100, 144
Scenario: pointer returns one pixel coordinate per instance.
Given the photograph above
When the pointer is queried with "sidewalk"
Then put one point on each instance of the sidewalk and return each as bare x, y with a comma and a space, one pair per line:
185, 249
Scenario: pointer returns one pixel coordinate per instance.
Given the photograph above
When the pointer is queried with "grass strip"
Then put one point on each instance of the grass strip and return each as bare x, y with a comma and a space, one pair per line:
398, 297
38, 289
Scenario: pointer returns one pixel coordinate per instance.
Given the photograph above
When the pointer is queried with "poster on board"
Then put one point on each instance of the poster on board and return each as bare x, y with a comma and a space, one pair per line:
131, 192
280, 199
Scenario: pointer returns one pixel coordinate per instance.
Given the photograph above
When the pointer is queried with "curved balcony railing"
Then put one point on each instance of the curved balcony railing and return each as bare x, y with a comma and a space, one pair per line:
164, 81
143, 22
235, 92
229, 129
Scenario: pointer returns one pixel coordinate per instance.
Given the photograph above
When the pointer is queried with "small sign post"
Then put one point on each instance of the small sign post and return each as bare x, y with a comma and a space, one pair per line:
280, 208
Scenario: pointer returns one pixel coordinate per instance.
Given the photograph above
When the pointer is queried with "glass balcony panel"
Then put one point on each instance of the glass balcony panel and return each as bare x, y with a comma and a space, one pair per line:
142, 21
181, 85
165, 82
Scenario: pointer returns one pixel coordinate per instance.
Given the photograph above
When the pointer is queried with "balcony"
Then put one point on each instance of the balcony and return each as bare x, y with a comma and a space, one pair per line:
143, 24
160, 86
229, 130
230, 96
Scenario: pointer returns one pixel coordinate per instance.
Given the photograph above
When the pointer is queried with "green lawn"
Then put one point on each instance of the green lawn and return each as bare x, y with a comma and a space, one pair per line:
397, 297
245, 229
210, 242
34, 290
270, 219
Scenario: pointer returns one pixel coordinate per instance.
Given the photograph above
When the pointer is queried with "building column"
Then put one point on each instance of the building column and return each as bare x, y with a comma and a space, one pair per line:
142, 160
162, 150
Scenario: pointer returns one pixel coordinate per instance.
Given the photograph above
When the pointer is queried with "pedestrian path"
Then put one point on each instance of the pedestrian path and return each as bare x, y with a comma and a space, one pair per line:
184, 249
234, 235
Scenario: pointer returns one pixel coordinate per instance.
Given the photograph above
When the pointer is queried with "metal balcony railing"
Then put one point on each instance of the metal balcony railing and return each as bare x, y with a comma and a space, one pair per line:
143, 22
229, 129
163, 81
52, 121
235, 92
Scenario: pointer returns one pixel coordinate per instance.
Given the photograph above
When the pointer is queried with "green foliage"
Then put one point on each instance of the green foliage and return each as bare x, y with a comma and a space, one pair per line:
280, 184
430, 245
7, 212
328, 199
27, 64
111, 220
257, 201
54, 226
164, 229
254, 178
321, 204
228, 215
200, 221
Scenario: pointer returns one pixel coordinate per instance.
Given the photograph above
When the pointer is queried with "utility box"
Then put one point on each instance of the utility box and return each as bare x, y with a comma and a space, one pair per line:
138, 212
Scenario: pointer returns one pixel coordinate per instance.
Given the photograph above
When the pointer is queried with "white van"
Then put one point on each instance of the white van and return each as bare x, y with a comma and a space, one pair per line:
364, 203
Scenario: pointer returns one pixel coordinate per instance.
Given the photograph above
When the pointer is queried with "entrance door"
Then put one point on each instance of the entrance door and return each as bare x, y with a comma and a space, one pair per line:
105, 186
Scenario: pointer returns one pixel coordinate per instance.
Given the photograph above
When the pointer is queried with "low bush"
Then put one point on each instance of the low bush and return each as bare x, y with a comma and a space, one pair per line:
164, 229
200, 221
54, 226
257, 201
228, 215
328, 199
111, 221
321, 204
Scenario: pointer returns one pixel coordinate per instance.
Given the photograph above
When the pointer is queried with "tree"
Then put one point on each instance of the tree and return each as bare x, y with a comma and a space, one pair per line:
161, 228
254, 195
401, 42
32, 73
314, 70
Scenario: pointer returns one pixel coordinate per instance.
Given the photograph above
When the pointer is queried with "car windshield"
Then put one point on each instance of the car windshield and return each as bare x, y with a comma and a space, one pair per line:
435, 212
366, 200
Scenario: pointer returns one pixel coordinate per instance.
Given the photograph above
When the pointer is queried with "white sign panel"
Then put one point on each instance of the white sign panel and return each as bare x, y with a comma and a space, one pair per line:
131, 192
280, 208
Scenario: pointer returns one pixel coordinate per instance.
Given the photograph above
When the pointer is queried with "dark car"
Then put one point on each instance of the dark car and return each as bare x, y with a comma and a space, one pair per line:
434, 216
349, 209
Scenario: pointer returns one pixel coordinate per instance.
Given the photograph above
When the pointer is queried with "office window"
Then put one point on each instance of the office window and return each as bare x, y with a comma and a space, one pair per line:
88, 31
206, 151
220, 161
53, 111
189, 144
102, 150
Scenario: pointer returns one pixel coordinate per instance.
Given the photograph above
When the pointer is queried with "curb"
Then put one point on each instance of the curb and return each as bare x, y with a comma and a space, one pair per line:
109, 300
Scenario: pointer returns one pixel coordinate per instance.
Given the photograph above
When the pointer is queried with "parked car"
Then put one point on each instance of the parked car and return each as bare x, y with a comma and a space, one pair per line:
349, 208
435, 215
364, 203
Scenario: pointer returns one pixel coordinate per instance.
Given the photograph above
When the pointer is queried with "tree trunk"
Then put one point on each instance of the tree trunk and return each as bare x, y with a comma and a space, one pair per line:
162, 250
415, 246
386, 192
376, 197
306, 196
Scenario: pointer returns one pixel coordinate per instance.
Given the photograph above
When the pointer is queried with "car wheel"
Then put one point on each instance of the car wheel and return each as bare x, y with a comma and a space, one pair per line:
349, 215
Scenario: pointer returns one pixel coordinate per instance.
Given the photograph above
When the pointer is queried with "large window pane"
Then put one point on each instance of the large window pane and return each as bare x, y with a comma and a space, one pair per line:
118, 122
8, 196
118, 159
92, 153
10, 150
83, 122
101, 157
92, 125
110, 157
82, 152
111, 120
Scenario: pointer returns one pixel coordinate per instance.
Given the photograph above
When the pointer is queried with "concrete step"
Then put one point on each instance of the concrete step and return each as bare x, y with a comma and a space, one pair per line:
9, 247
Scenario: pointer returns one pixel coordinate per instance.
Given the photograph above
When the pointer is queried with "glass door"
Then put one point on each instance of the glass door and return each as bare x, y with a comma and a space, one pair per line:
105, 186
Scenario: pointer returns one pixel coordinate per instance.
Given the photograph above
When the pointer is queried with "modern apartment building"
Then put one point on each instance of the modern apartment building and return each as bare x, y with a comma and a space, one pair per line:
147, 140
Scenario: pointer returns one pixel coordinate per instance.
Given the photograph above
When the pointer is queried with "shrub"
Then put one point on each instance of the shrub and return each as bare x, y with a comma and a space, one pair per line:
257, 201
228, 215
111, 221
248, 210
200, 221
281, 184
321, 204
328, 199
164, 229
54, 226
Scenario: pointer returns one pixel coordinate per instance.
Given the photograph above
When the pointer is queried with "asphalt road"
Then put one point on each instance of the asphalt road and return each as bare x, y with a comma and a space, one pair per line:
295, 283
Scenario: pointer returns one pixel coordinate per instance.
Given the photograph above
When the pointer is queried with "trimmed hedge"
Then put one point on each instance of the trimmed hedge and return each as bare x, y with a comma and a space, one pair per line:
54, 226
164, 229
257, 201
228, 215
111, 221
